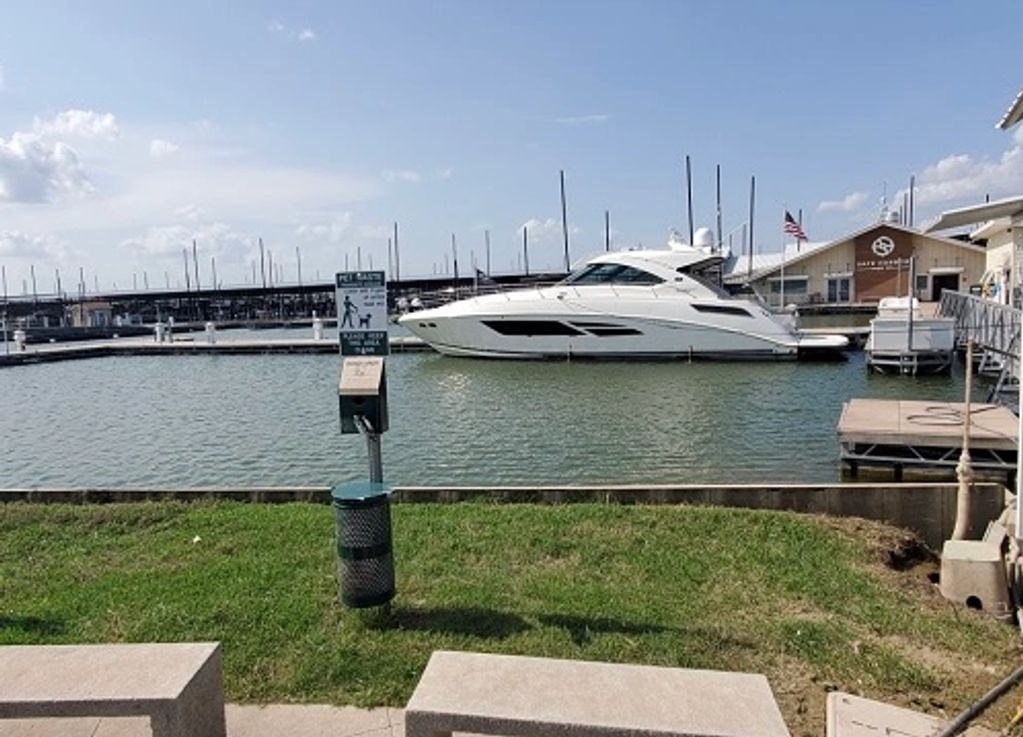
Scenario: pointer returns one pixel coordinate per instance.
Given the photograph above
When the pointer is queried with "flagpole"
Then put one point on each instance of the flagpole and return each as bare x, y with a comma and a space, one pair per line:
782, 305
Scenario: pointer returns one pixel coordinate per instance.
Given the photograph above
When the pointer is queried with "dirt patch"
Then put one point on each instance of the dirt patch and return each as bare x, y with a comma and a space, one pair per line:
947, 662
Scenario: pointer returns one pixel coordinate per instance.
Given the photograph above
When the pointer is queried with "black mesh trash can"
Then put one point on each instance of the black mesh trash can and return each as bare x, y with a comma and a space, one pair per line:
362, 521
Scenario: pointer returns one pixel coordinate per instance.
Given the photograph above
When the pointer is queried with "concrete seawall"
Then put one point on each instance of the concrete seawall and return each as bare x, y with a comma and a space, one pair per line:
926, 508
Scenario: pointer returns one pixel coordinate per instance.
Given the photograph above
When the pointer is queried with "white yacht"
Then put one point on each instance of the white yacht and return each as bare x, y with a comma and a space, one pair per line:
628, 304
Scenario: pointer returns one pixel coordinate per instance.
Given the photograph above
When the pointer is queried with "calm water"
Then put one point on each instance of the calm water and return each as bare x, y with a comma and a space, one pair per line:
204, 420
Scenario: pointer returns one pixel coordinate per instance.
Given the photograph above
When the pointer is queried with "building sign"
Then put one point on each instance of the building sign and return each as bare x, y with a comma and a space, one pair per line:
882, 263
362, 313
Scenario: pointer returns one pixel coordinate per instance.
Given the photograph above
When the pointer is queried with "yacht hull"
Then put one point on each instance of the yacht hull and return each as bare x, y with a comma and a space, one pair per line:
657, 310
604, 338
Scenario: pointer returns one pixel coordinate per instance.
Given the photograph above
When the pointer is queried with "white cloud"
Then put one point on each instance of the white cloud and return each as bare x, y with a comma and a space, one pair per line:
850, 203
79, 124
302, 35
408, 176
445, 173
541, 230
190, 212
341, 229
159, 148
211, 239
38, 166
961, 176
573, 120
35, 170
15, 244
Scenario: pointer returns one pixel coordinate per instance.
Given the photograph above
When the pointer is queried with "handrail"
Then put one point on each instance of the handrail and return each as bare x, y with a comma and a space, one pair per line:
991, 326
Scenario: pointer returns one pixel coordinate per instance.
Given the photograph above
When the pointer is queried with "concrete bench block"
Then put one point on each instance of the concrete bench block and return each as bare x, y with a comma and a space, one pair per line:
853, 716
178, 686
534, 697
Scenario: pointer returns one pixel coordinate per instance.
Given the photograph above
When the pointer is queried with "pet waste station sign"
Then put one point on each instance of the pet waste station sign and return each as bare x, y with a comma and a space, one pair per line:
362, 313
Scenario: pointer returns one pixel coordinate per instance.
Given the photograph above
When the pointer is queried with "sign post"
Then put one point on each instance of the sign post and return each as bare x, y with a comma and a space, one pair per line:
362, 510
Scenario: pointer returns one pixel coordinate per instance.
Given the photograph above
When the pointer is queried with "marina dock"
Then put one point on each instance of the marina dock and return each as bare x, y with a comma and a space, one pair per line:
47, 352
898, 434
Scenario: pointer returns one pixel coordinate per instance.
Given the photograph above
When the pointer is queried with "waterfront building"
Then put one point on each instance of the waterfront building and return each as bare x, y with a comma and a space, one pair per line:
862, 267
92, 314
998, 227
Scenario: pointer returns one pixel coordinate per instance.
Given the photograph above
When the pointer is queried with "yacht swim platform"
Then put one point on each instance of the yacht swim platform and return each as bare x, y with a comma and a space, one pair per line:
926, 435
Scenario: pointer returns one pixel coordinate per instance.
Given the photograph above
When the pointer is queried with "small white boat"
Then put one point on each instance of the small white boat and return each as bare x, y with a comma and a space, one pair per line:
903, 341
629, 304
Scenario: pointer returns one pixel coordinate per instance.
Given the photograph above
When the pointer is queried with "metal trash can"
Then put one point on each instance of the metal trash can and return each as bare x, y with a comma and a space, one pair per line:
362, 521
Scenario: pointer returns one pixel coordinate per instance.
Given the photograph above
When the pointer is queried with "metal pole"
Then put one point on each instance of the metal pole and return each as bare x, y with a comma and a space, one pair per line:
213, 270
689, 198
748, 254
525, 249
3, 275
454, 260
195, 261
607, 231
486, 239
912, 297
32, 273
262, 264
721, 234
60, 291
390, 259
752, 203
376, 462
564, 223
298, 262
912, 199
782, 292
397, 256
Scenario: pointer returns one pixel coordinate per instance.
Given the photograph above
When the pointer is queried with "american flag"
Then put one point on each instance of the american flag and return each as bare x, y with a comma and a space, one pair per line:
793, 228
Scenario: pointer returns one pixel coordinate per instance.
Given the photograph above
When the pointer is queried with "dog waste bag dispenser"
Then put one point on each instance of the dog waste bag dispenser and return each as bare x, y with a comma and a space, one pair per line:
362, 511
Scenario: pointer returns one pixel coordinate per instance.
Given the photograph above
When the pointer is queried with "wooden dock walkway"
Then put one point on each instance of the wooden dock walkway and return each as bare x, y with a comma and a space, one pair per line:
47, 352
896, 434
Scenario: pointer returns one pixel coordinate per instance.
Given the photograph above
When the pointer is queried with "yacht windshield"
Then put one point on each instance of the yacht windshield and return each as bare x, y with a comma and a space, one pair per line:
612, 274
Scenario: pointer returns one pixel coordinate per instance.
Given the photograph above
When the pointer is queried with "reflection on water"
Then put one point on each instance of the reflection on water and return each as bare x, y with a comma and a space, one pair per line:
205, 420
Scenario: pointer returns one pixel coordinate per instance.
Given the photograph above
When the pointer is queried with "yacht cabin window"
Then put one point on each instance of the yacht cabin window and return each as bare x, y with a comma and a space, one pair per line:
613, 274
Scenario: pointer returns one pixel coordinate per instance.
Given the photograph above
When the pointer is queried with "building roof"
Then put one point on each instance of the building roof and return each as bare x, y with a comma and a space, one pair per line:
737, 268
1008, 207
1014, 114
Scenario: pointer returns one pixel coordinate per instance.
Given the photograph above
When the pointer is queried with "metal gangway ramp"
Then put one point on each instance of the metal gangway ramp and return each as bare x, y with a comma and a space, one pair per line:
994, 330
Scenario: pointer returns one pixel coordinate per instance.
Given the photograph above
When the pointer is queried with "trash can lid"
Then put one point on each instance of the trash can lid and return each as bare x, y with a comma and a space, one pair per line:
353, 491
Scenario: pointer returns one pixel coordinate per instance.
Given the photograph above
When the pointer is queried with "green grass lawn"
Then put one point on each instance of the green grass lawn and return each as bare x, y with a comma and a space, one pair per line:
808, 601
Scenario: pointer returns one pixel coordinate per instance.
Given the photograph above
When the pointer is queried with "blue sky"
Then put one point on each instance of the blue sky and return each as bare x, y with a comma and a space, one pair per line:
127, 129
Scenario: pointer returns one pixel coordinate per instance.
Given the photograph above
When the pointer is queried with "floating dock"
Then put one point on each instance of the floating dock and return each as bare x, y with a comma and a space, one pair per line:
46, 352
897, 434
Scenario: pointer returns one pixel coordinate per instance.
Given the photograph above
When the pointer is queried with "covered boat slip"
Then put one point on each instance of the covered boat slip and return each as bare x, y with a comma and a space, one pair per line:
926, 435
